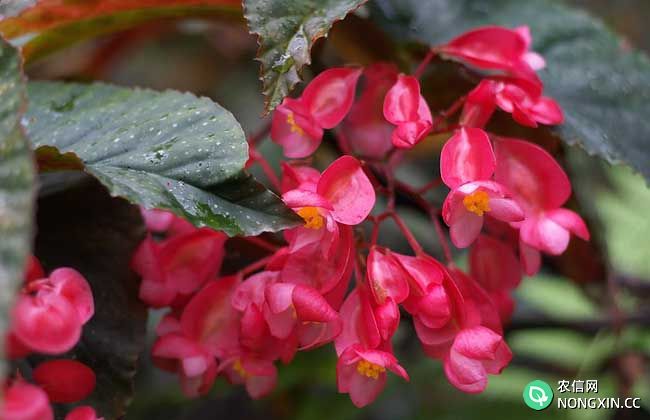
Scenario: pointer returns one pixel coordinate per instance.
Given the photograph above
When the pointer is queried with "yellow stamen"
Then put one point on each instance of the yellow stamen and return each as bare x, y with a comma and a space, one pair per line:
370, 370
237, 367
294, 127
477, 202
313, 219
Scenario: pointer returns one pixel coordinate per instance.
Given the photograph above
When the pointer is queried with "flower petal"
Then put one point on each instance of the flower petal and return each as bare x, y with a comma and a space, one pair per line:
346, 186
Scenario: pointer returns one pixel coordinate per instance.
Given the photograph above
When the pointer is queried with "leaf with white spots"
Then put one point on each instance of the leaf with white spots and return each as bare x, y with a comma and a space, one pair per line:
17, 185
286, 30
167, 150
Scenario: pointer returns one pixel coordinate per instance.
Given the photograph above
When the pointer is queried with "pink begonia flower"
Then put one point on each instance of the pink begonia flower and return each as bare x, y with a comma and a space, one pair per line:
478, 306
83, 412
437, 306
512, 96
301, 307
330, 274
298, 124
343, 195
365, 129
467, 163
496, 48
70, 284
540, 187
258, 375
386, 277
475, 353
24, 401
208, 329
457, 308
177, 266
50, 312
209, 318
65, 380
359, 322
405, 107
494, 265
196, 367
362, 373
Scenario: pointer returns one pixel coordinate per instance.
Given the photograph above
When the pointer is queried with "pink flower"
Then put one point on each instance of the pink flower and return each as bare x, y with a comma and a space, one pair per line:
258, 375
496, 268
343, 194
359, 323
178, 266
437, 306
208, 329
209, 318
196, 367
50, 312
467, 163
405, 107
301, 309
386, 277
540, 187
494, 264
65, 380
362, 373
23, 401
497, 48
298, 124
365, 128
327, 270
83, 412
513, 96
475, 353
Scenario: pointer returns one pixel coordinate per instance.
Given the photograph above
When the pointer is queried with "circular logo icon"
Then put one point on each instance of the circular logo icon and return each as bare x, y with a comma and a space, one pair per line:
538, 395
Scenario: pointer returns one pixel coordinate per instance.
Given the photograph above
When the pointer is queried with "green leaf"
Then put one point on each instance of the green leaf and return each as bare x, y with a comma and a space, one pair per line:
83, 227
16, 184
602, 84
286, 31
166, 150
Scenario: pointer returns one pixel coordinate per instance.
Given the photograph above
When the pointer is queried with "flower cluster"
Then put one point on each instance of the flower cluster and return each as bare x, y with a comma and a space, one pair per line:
504, 202
47, 318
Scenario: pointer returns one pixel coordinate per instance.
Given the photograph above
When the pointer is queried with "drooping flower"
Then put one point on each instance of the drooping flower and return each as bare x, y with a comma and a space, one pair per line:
49, 312
475, 353
362, 373
514, 96
298, 124
467, 163
496, 268
258, 375
303, 310
540, 187
497, 48
208, 329
178, 266
24, 401
196, 367
405, 107
365, 129
65, 380
386, 277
